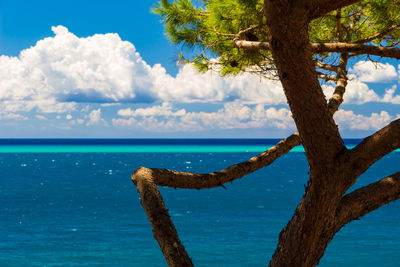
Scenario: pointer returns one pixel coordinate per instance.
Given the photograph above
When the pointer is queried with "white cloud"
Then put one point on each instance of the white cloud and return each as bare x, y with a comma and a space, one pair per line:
41, 117
360, 93
367, 71
347, 119
95, 117
164, 110
390, 96
166, 118
191, 86
60, 71
64, 69
12, 116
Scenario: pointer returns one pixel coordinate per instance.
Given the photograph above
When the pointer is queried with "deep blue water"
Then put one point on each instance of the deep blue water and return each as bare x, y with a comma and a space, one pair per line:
81, 209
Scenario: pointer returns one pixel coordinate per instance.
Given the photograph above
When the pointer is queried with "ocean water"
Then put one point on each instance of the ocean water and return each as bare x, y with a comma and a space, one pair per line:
72, 203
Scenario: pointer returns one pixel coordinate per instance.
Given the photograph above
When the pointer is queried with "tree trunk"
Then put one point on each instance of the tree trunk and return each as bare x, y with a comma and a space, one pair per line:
303, 241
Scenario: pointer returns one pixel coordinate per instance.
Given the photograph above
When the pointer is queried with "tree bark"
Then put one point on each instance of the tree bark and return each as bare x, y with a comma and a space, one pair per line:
163, 229
318, 48
303, 241
170, 178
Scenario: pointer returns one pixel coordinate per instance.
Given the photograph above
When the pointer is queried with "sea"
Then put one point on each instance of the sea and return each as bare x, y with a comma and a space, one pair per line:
71, 202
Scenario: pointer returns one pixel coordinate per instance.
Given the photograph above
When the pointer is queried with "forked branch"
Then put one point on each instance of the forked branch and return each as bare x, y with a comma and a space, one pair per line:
177, 179
146, 181
164, 231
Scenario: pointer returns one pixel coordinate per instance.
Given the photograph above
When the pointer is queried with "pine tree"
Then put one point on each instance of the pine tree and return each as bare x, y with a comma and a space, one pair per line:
303, 43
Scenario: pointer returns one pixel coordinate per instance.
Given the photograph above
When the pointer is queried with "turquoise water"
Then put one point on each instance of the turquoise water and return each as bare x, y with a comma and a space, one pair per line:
81, 209
140, 148
134, 148
144, 145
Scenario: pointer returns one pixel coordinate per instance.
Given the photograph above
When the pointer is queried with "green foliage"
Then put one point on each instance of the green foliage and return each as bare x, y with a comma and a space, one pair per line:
210, 26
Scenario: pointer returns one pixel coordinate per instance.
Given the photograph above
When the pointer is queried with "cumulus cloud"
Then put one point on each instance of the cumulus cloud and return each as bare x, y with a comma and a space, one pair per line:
95, 118
367, 71
63, 70
359, 93
347, 119
390, 96
191, 86
166, 118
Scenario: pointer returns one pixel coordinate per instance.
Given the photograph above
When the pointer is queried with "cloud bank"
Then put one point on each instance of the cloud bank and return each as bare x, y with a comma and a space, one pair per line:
164, 118
62, 72
65, 69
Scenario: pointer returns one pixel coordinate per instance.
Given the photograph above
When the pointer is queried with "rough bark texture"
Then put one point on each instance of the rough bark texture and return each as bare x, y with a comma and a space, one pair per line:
303, 241
163, 229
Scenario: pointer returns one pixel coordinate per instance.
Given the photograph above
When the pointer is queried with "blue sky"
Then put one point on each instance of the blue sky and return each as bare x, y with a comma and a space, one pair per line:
106, 69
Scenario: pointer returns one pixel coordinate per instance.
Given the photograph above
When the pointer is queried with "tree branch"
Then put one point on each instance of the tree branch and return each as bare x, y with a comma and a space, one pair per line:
328, 67
372, 149
379, 35
357, 49
366, 199
341, 83
329, 48
177, 179
321, 7
326, 77
251, 45
163, 229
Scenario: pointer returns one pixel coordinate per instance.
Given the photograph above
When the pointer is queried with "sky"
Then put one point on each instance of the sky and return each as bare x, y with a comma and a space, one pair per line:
105, 69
